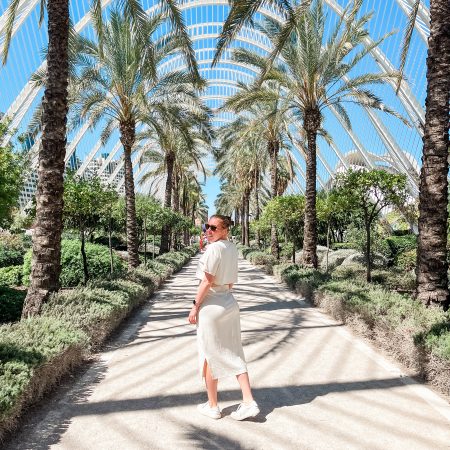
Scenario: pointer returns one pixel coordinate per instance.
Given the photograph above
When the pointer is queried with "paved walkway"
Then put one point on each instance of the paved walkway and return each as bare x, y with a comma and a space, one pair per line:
318, 386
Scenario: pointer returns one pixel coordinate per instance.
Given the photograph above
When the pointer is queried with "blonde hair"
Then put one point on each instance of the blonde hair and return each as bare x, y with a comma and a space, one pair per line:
226, 220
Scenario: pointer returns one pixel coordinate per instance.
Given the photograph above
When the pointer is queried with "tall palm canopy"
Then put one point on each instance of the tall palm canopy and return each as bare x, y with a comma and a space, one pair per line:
377, 138
341, 51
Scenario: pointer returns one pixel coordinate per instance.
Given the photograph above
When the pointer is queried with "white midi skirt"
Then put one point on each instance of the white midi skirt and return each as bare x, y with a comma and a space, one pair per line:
219, 334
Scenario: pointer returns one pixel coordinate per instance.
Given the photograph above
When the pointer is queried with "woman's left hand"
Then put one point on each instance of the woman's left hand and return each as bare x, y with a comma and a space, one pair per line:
193, 315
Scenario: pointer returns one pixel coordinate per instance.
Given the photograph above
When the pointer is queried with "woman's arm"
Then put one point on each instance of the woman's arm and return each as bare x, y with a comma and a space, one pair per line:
202, 290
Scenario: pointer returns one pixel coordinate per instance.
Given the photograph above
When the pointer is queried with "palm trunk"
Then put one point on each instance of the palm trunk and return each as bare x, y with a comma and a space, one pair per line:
46, 262
175, 205
368, 251
273, 149
165, 232
176, 193
111, 261
184, 204
311, 125
127, 137
247, 217
243, 222
84, 257
145, 241
432, 266
257, 234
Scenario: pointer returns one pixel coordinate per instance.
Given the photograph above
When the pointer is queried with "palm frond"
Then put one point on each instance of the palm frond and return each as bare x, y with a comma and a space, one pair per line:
407, 40
11, 14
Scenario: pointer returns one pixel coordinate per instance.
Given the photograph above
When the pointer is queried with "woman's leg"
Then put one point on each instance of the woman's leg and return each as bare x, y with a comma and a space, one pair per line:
211, 385
244, 383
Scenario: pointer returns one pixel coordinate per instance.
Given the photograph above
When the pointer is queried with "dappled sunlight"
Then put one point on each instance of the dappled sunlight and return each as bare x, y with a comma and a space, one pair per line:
314, 386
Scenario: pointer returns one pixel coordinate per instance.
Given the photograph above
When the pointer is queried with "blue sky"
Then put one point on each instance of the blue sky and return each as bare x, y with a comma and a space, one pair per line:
26, 55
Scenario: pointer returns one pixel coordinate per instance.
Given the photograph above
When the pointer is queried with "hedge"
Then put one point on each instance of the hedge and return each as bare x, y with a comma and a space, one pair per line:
418, 336
72, 266
36, 352
11, 276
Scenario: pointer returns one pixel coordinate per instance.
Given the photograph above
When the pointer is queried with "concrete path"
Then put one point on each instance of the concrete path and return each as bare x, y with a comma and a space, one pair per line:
318, 386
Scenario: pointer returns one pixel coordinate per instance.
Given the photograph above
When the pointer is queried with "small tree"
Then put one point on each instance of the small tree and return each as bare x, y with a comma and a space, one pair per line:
109, 220
366, 194
149, 214
85, 201
288, 214
11, 180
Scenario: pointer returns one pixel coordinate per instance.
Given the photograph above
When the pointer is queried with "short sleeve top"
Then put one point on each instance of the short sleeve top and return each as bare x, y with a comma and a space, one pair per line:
221, 260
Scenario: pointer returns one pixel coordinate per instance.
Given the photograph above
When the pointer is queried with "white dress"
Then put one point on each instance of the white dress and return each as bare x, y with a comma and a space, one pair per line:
218, 325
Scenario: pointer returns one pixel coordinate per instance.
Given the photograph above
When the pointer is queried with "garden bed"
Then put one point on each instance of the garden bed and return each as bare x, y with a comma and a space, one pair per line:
35, 353
416, 336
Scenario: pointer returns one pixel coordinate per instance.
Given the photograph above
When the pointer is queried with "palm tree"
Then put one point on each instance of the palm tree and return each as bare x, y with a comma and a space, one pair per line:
317, 76
119, 82
237, 163
267, 115
46, 262
176, 148
432, 266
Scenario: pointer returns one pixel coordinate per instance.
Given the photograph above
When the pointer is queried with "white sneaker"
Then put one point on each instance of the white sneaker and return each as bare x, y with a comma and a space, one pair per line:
245, 410
210, 411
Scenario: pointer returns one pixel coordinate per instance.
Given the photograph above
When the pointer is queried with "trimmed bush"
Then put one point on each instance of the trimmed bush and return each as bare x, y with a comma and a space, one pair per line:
262, 259
11, 276
147, 278
176, 260
407, 260
437, 338
159, 270
72, 265
10, 256
34, 354
11, 304
96, 311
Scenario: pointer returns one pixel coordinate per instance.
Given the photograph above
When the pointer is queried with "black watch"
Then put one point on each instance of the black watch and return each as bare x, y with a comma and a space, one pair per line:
194, 302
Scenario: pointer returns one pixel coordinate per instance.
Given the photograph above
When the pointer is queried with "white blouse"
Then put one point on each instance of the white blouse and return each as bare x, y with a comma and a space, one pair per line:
221, 260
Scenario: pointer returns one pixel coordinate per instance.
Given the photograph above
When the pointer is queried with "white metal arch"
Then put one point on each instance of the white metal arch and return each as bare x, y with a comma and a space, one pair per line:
27, 6
22, 103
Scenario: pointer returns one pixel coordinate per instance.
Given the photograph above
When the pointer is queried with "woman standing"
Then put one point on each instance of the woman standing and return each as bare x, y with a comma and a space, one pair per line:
216, 313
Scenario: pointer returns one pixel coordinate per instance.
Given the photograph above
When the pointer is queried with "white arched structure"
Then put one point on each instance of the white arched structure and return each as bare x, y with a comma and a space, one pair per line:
396, 155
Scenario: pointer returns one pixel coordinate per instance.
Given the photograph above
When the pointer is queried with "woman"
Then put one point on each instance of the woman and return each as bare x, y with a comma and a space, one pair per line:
216, 313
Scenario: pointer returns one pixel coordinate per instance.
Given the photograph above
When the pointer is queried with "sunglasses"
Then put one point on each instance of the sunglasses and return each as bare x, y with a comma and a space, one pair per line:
212, 227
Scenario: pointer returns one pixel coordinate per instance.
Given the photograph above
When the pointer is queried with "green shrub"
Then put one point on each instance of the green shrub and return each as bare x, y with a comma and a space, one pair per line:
12, 248
135, 291
160, 270
176, 260
247, 250
261, 259
407, 260
349, 271
395, 279
94, 310
72, 265
400, 244
345, 245
11, 276
26, 345
10, 256
286, 250
437, 338
11, 304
